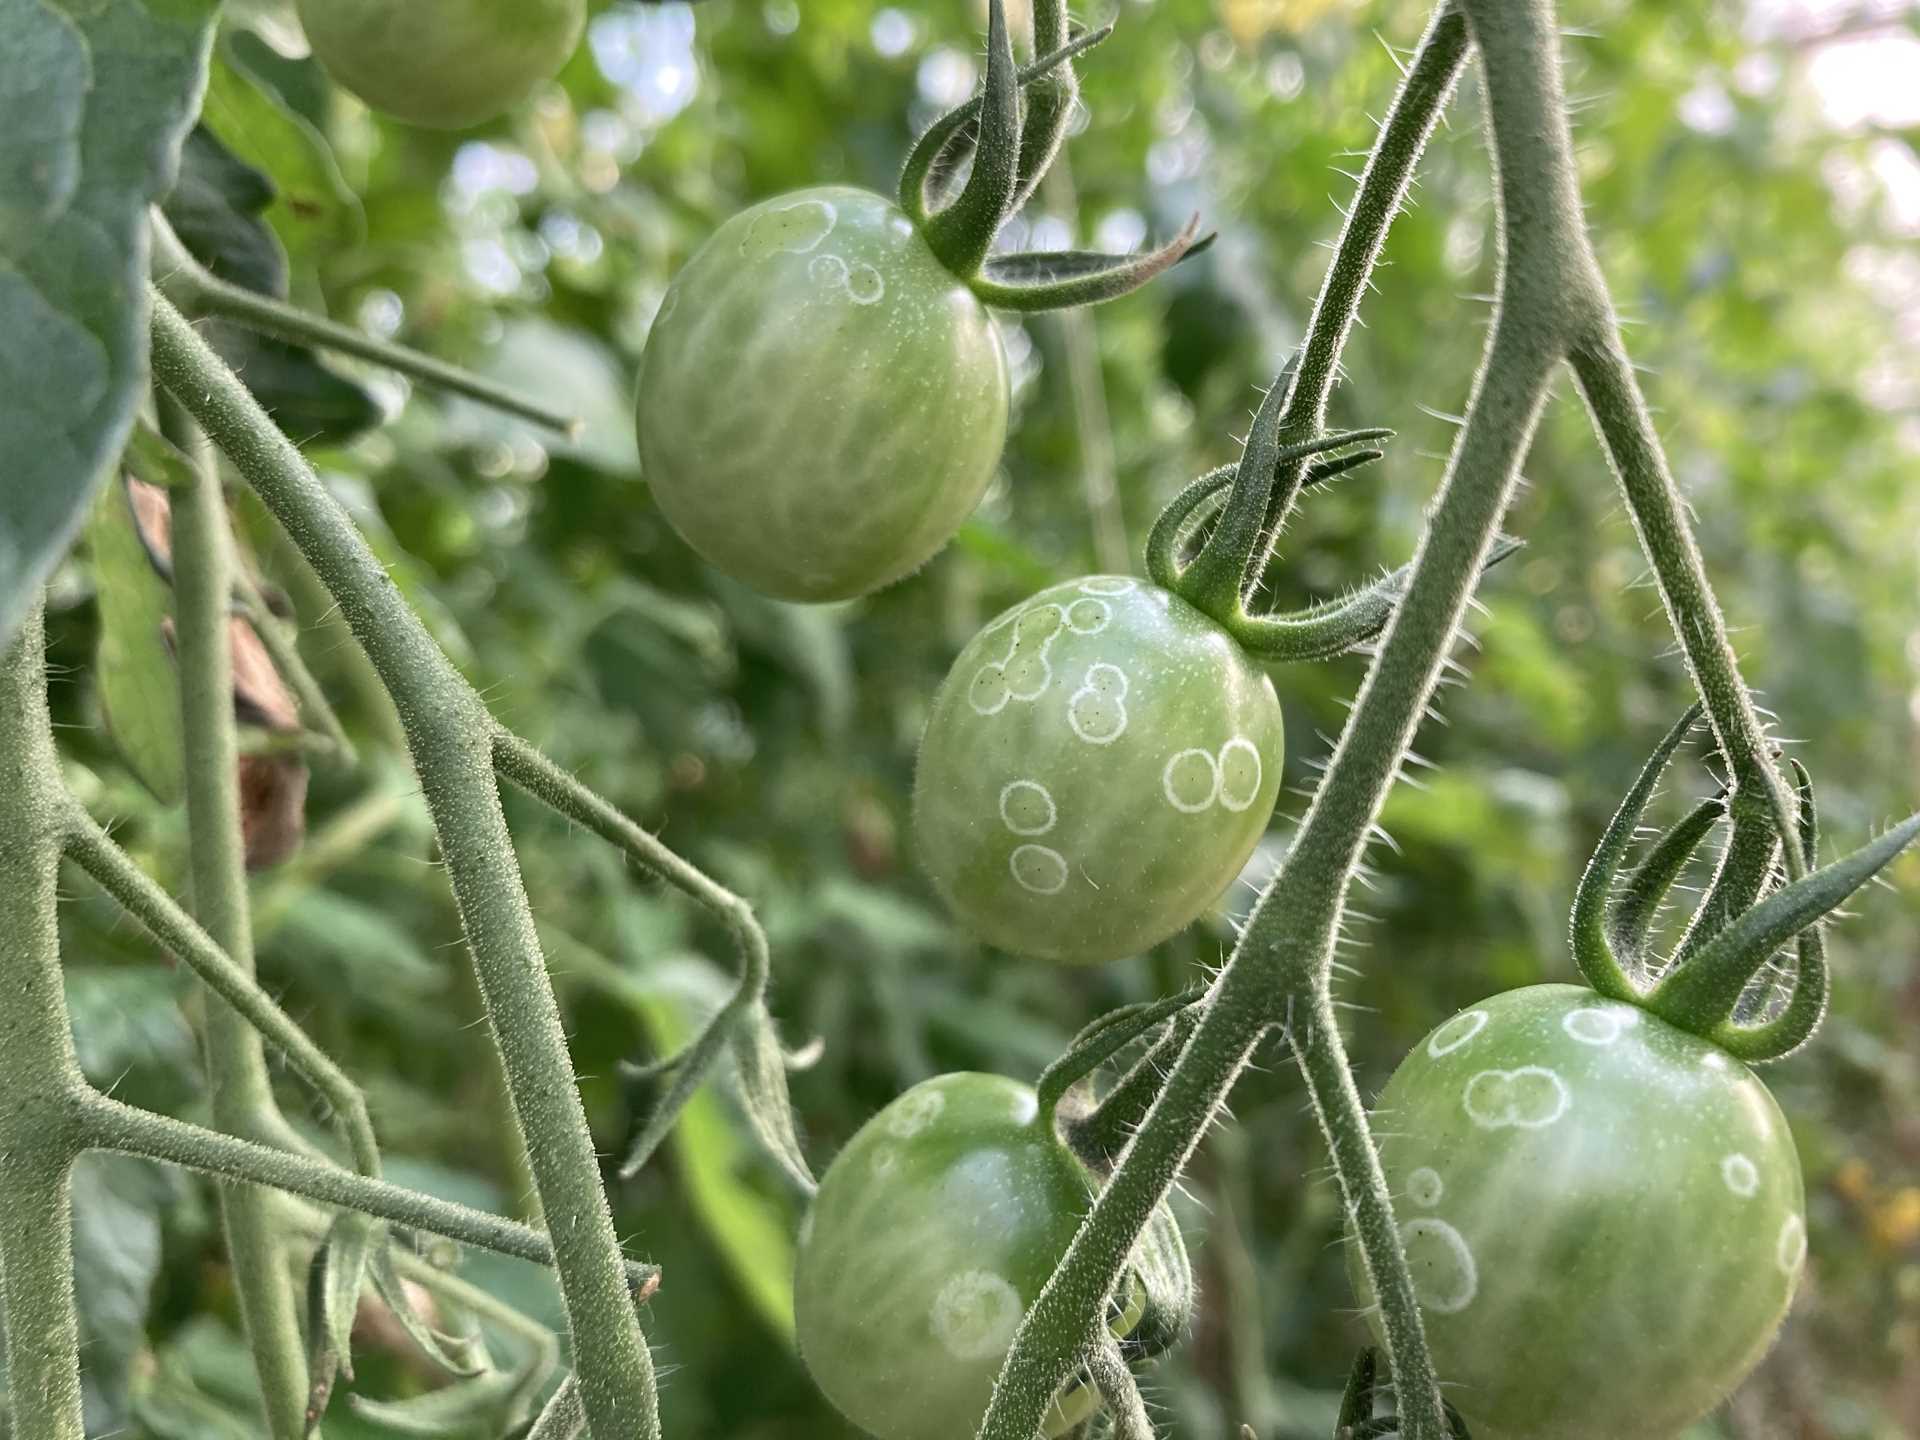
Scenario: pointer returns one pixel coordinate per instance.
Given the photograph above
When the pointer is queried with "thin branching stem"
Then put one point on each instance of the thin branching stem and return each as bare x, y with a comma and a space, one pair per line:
451, 737
199, 292
240, 1089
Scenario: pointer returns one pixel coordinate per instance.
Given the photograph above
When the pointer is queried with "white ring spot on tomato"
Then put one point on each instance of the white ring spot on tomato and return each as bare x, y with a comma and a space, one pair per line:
1239, 771
975, 1315
1792, 1247
1424, 1187
1456, 1032
1528, 1097
1038, 868
1088, 617
795, 228
1741, 1175
914, 1111
1025, 671
1026, 807
864, 285
1599, 1025
1097, 711
1445, 1279
1191, 781
1109, 585
885, 1157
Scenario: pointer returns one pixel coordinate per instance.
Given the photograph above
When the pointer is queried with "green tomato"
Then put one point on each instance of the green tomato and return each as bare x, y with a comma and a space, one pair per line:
1100, 763
443, 63
822, 402
1603, 1215
934, 1230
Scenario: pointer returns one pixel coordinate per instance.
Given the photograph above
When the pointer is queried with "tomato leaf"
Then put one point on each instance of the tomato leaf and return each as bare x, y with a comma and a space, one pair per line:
138, 687
94, 103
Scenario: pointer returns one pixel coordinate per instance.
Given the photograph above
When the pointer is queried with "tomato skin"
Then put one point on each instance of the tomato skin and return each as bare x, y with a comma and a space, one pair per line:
1603, 1213
1099, 764
822, 403
933, 1231
447, 64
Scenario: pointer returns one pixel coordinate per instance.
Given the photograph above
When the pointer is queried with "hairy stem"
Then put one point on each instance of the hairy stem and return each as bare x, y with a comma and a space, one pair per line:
37, 1143
1606, 380
241, 1091
451, 737
106, 1124
1235, 553
199, 293
95, 852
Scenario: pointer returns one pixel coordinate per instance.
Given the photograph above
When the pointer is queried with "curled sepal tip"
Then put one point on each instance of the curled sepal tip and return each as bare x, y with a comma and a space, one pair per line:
1061, 279
334, 1280
962, 234
1702, 994
1593, 898
938, 153
1806, 1005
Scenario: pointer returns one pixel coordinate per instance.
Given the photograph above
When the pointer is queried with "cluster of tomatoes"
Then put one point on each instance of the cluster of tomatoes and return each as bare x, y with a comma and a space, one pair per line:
1603, 1213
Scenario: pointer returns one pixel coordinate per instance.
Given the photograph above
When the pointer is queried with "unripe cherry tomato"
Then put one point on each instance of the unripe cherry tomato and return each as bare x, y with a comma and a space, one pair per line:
1099, 765
1603, 1215
822, 402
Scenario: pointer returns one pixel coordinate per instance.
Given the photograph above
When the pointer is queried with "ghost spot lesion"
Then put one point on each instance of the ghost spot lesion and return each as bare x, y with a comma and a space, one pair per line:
975, 1314
1741, 1175
1528, 1097
1599, 1025
1097, 711
914, 1111
1089, 616
1425, 1187
1456, 1032
1025, 671
794, 229
1038, 869
1027, 808
857, 280
1194, 780
1109, 585
1790, 1251
1445, 1277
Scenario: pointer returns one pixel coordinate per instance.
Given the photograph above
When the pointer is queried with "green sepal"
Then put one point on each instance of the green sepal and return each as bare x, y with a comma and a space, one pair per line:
493, 1403
334, 1280
962, 234
1035, 281
1356, 1419
1702, 993
941, 149
1747, 864
1592, 897
1100, 1041
1165, 1293
1631, 915
563, 1417
459, 1356
1333, 627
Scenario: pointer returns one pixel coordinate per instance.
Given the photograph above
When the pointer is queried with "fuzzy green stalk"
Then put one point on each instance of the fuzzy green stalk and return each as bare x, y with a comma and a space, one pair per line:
239, 1086
38, 1141
451, 737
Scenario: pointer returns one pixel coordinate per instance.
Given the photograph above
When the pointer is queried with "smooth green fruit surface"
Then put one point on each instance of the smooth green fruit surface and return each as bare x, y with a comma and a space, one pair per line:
821, 402
1603, 1215
934, 1230
1100, 762
442, 63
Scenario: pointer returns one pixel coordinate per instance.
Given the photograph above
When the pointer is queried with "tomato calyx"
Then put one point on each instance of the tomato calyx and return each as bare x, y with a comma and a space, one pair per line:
1241, 508
1720, 970
1012, 129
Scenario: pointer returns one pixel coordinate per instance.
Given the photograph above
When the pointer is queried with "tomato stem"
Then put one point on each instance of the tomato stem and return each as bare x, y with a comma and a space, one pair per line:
451, 736
199, 292
239, 1087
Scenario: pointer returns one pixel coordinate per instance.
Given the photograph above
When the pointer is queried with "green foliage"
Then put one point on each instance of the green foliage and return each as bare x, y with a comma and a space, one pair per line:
775, 746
